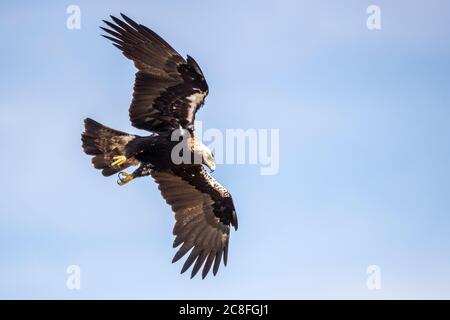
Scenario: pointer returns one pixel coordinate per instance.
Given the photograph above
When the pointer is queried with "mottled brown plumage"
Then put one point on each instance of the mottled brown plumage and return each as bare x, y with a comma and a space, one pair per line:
168, 91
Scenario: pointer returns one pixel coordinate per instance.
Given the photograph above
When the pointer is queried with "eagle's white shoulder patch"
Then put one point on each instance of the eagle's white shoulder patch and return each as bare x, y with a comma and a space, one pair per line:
194, 100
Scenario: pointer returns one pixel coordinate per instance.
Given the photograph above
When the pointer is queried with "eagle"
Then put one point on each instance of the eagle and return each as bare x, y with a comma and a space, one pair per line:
168, 92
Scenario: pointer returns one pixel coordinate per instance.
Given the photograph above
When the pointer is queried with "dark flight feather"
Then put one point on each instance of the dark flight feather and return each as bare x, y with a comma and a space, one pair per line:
204, 226
168, 89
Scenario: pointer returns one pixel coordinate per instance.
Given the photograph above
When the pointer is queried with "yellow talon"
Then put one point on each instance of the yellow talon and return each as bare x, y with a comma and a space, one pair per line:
124, 178
119, 160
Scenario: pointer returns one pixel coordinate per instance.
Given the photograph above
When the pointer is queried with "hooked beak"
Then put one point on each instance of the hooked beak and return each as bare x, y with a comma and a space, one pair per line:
211, 166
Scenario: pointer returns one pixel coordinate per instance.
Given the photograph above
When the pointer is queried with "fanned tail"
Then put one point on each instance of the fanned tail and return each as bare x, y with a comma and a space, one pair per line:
104, 144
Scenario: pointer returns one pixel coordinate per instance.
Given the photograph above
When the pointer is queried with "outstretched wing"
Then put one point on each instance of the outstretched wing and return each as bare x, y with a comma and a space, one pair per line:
203, 211
168, 90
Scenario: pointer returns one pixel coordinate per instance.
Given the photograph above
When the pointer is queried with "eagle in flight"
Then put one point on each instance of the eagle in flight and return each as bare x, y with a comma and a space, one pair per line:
168, 92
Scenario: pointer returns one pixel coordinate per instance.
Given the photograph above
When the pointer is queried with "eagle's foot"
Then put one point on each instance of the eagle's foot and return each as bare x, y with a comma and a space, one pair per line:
118, 161
124, 178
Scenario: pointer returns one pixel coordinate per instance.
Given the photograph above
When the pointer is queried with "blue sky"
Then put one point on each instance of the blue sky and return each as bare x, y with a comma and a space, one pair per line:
364, 150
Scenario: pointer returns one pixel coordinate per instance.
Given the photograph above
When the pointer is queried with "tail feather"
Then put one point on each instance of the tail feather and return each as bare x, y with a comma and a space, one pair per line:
104, 144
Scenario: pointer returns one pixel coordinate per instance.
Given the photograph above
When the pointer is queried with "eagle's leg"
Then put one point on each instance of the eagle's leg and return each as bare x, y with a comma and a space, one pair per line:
142, 171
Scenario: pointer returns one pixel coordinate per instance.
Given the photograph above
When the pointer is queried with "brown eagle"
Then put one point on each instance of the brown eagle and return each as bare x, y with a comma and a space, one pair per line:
168, 91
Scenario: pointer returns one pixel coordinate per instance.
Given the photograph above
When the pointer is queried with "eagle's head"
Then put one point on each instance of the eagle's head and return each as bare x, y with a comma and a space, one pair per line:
203, 152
